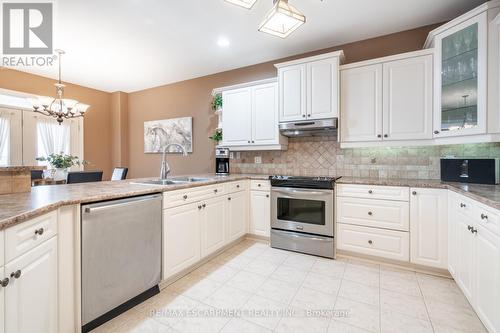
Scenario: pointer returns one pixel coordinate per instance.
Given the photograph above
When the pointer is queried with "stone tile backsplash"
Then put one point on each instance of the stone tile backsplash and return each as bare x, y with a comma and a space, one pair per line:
322, 156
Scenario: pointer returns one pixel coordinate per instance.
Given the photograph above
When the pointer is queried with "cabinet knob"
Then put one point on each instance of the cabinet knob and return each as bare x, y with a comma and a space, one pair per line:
229, 198
370, 213
237, 186
414, 192
267, 195
462, 205
185, 196
199, 207
253, 141
248, 141
379, 136
39, 231
4, 283
215, 191
258, 185
386, 135
303, 116
204, 205
370, 191
436, 132
484, 217
308, 115
16, 274
370, 242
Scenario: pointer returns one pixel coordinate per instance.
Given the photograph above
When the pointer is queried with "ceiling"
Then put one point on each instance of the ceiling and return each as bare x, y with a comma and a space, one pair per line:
130, 45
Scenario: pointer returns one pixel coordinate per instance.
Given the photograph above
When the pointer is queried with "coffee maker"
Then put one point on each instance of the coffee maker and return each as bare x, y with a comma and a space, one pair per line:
221, 161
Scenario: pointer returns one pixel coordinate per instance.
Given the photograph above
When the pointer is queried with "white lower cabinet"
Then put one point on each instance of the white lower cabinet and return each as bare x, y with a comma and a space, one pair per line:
237, 215
429, 227
260, 217
31, 296
213, 220
465, 274
181, 238
2, 301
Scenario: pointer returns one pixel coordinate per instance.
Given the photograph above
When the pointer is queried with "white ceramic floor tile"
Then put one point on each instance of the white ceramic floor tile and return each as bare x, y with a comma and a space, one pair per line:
321, 282
300, 261
204, 319
359, 314
263, 311
408, 286
313, 300
261, 267
330, 267
235, 261
247, 281
227, 297
289, 274
394, 322
196, 288
340, 327
220, 273
172, 308
243, 326
409, 305
387, 271
278, 290
443, 291
275, 256
364, 264
362, 274
454, 316
302, 325
360, 292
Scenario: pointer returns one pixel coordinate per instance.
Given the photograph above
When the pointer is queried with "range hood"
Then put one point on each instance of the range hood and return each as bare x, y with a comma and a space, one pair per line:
323, 127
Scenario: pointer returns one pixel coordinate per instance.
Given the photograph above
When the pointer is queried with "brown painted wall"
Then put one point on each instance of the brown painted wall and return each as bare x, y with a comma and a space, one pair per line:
192, 98
97, 123
119, 128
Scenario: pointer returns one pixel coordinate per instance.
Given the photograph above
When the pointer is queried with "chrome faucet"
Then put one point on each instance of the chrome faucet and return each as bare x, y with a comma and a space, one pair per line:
165, 168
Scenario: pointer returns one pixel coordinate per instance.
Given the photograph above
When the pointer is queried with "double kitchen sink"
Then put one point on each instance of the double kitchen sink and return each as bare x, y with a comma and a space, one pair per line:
173, 181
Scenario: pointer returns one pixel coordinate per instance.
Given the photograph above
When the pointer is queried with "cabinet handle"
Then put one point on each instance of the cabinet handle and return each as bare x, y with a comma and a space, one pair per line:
303, 116
414, 192
379, 136
436, 132
474, 231
215, 191
308, 115
229, 198
4, 283
370, 191
185, 196
39, 231
484, 217
386, 135
462, 205
16, 274
204, 205
267, 195
253, 141
370, 213
248, 141
370, 242
199, 207
258, 185
469, 228
237, 186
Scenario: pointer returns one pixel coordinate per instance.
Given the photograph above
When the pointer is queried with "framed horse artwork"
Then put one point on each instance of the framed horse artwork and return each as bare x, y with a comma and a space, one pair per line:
159, 133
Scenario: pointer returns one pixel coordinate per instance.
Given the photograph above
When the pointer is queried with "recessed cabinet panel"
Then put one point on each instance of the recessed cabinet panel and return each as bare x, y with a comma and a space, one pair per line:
31, 298
292, 92
260, 217
466, 254
361, 104
265, 115
322, 89
408, 99
237, 215
237, 116
212, 225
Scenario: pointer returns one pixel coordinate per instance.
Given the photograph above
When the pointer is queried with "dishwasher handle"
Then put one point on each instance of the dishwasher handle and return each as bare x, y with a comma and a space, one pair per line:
120, 203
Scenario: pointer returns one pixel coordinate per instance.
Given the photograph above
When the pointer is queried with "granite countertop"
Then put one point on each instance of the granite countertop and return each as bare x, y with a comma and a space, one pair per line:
486, 194
17, 168
19, 207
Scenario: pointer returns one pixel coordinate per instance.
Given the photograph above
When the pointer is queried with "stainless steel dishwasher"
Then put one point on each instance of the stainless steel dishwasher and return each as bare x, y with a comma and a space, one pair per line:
121, 256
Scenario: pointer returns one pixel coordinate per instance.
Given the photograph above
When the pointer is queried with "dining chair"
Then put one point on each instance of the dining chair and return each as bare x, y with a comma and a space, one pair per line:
84, 177
119, 173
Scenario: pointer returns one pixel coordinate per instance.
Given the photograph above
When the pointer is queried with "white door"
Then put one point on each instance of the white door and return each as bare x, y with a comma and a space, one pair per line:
181, 238
212, 225
11, 125
292, 92
487, 277
428, 227
2, 302
361, 104
323, 89
466, 254
408, 100
237, 215
31, 299
237, 117
260, 213
265, 129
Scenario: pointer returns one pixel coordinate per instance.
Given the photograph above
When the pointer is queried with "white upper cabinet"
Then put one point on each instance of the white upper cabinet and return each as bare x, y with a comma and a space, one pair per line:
388, 99
461, 76
361, 104
309, 87
237, 116
494, 75
292, 93
250, 118
407, 104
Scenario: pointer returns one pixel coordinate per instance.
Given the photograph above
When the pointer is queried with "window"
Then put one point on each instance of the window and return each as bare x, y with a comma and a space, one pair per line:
4, 140
52, 138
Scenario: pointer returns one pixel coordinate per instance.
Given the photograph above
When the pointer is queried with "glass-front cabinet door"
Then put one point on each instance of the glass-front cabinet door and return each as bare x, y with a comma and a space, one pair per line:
461, 62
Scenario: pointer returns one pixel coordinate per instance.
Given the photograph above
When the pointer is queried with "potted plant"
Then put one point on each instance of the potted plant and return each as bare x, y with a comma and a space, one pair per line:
217, 136
60, 164
217, 103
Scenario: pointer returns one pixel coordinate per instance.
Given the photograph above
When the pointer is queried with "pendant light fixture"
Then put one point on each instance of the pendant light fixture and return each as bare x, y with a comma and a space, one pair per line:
282, 19
243, 3
59, 108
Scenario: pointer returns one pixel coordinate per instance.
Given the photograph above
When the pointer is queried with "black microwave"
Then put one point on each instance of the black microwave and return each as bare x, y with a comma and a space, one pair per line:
470, 170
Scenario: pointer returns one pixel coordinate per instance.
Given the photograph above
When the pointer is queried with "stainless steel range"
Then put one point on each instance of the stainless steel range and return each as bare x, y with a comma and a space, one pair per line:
302, 214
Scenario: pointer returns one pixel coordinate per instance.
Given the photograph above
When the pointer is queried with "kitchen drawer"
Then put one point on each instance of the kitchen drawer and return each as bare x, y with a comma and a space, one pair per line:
2, 247
374, 192
488, 217
374, 213
260, 185
463, 204
190, 195
25, 236
236, 186
383, 243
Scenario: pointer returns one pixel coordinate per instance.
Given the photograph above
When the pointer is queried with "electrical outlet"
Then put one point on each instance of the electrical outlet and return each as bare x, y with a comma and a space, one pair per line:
258, 160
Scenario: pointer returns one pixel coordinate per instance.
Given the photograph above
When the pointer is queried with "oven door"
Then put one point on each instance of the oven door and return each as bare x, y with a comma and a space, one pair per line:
303, 210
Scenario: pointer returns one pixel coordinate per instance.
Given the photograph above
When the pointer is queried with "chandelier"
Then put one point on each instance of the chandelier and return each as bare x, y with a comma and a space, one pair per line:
59, 108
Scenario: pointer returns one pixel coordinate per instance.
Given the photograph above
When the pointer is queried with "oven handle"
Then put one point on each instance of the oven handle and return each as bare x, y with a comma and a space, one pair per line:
287, 190
294, 235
